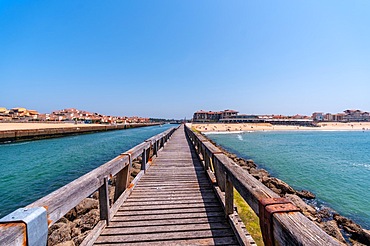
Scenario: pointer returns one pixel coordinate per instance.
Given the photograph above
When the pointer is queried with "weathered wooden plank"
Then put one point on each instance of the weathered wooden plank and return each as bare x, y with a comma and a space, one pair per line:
170, 193
163, 236
169, 198
292, 224
241, 233
178, 176
175, 209
173, 191
153, 185
104, 201
175, 221
165, 228
169, 201
182, 183
170, 206
172, 174
229, 241
162, 214
94, 234
13, 234
122, 181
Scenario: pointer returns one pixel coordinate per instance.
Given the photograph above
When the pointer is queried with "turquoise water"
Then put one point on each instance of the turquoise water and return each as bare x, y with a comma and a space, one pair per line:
31, 170
333, 165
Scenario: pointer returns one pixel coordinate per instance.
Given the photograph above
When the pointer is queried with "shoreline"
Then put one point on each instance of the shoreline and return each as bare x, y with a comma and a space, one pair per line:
343, 229
253, 127
12, 132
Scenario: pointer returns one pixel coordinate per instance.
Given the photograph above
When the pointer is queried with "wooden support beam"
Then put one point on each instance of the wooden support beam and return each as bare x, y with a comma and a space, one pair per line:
144, 160
229, 196
104, 201
122, 181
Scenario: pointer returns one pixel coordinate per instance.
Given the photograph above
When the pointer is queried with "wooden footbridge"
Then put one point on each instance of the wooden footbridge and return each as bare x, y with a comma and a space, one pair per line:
183, 195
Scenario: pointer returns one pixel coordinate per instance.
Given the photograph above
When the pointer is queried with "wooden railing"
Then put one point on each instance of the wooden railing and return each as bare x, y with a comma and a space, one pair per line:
281, 222
59, 202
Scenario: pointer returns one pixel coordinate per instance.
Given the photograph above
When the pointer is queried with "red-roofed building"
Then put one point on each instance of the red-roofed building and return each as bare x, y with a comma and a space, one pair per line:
213, 116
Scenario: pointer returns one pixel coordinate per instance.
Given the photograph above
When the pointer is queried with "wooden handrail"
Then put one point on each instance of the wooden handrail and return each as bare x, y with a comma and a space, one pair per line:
283, 228
59, 202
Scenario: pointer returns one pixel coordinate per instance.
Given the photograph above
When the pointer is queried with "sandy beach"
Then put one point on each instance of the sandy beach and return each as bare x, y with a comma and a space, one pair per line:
31, 126
328, 126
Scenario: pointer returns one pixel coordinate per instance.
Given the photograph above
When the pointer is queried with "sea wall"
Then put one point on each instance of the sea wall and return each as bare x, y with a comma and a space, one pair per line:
41, 133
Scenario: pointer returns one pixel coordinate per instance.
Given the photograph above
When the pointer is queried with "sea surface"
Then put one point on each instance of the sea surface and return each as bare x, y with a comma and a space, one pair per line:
334, 165
33, 169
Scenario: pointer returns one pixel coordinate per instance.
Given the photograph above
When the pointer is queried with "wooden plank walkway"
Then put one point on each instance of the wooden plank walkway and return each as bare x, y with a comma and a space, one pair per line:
173, 204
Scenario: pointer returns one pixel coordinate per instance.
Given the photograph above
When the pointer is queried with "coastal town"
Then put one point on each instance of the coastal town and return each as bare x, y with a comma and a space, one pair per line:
233, 116
21, 114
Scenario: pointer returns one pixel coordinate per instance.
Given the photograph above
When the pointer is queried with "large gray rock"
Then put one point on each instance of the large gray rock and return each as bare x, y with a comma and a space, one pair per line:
71, 215
356, 230
135, 169
89, 220
95, 195
83, 207
259, 174
60, 235
325, 214
55, 226
79, 239
86, 205
306, 194
241, 162
68, 243
251, 164
279, 184
75, 232
111, 191
332, 229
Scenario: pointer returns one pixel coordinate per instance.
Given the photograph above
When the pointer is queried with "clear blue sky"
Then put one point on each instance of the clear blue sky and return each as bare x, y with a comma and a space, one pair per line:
171, 58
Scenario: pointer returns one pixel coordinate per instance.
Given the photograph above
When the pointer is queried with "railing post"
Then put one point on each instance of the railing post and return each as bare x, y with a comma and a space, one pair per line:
143, 160
104, 201
217, 169
207, 160
155, 148
203, 151
123, 178
229, 196
161, 143
34, 224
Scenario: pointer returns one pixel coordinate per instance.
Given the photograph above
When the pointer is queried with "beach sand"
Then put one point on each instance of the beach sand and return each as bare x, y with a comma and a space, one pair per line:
30, 126
328, 126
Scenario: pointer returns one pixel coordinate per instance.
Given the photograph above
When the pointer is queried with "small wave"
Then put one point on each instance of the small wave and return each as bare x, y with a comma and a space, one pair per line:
240, 137
9, 143
365, 165
223, 132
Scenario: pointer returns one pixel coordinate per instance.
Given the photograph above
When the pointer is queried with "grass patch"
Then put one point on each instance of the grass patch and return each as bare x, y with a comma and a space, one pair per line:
249, 218
195, 130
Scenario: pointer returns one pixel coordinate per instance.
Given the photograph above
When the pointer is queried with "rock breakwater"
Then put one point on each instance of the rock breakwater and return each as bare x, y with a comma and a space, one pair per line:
74, 226
337, 226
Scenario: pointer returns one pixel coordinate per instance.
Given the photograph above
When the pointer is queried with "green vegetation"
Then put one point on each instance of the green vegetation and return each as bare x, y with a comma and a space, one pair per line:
249, 218
195, 130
